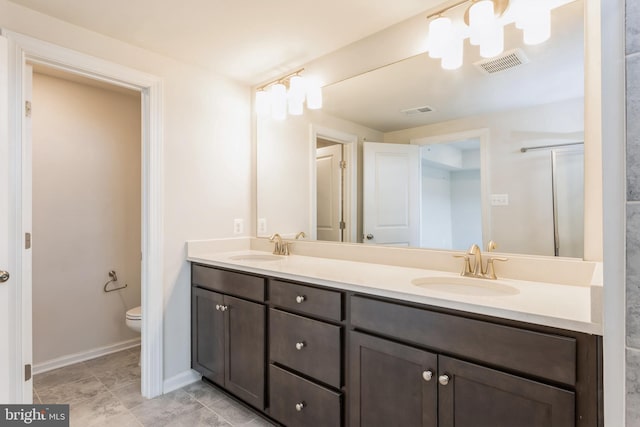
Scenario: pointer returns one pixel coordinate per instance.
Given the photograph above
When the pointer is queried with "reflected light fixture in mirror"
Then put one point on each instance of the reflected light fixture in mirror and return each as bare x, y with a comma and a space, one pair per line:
287, 95
483, 23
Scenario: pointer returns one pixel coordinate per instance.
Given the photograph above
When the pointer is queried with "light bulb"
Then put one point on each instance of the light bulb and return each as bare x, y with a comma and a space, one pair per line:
295, 106
314, 95
481, 21
493, 44
263, 103
453, 57
278, 101
440, 33
538, 28
297, 88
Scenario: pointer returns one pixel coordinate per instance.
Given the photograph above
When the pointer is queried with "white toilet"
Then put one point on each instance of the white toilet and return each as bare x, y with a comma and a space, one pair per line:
134, 319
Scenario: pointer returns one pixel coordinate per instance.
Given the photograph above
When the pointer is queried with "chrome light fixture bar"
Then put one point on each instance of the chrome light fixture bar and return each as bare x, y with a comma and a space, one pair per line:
287, 95
483, 24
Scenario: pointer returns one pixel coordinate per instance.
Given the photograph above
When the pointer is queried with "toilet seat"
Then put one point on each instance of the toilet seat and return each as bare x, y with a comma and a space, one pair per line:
134, 313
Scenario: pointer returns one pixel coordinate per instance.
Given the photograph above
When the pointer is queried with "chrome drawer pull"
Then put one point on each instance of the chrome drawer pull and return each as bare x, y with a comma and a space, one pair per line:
300, 299
300, 406
444, 379
300, 345
427, 375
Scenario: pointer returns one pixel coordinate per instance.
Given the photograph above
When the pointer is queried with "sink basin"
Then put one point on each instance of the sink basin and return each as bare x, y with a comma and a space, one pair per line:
466, 286
256, 257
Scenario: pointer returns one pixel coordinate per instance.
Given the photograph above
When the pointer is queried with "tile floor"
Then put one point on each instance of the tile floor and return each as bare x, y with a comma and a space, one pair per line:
106, 392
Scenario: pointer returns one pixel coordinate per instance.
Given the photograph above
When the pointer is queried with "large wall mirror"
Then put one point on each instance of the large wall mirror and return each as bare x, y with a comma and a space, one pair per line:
410, 154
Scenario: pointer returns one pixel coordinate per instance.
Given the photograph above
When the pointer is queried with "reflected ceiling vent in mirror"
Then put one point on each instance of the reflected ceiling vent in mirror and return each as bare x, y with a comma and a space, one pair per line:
510, 59
417, 110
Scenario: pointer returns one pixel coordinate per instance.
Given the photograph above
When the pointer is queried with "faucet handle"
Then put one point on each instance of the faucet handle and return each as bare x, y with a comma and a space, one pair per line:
491, 272
491, 246
466, 267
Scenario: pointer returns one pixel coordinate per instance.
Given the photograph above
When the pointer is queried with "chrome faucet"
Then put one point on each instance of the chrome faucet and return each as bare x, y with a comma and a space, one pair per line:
279, 247
479, 270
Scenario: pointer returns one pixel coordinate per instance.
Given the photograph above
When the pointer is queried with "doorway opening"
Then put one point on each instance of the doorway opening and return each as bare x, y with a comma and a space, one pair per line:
334, 196
20, 50
86, 182
330, 166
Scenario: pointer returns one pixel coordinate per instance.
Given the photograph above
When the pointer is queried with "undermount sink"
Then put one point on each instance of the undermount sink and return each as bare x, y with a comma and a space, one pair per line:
465, 286
256, 257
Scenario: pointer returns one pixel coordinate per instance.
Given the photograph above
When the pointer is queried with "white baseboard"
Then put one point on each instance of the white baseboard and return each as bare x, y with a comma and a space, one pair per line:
82, 356
180, 380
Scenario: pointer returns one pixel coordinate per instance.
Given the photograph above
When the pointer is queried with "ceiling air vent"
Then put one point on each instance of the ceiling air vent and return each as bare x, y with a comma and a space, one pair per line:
509, 59
417, 110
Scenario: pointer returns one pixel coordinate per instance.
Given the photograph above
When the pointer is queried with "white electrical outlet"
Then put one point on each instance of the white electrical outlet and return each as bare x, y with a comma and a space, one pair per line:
262, 225
499, 200
238, 226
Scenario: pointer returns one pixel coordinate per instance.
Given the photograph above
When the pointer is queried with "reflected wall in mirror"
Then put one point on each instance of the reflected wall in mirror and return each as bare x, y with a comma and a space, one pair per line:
493, 191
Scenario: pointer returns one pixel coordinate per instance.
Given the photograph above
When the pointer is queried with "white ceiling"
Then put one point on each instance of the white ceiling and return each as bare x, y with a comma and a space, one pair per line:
246, 40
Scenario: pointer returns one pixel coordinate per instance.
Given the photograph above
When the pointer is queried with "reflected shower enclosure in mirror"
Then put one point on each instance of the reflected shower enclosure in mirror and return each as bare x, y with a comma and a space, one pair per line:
467, 128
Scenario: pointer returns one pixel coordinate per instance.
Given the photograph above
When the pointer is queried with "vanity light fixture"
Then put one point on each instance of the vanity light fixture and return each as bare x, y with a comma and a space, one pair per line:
483, 24
287, 95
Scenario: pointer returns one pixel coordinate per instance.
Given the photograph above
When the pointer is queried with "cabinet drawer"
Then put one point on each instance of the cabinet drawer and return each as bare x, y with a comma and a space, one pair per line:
552, 357
306, 299
298, 402
306, 345
229, 282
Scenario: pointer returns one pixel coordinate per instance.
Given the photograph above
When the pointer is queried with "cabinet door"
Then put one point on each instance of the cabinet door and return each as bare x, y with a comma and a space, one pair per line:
245, 350
207, 334
475, 396
391, 384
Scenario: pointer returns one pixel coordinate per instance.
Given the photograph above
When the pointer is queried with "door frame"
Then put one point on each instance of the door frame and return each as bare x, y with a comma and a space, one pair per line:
484, 135
350, 156
22, 49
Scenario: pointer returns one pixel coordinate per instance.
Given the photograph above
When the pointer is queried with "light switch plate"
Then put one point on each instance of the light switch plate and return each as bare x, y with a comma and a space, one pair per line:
262, 225
499, 200
238, 226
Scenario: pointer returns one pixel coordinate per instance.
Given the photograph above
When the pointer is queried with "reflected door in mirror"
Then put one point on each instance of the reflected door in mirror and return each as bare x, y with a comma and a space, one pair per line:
391, 194
329, 182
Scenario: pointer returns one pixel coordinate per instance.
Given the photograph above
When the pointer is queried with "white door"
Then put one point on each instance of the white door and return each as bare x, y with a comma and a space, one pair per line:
7, 347
391, 194
329, 193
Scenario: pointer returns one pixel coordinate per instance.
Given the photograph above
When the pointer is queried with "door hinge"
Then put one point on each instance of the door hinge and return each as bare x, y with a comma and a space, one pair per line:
27, 372
27, 108
343, 164
27, 240
343, 225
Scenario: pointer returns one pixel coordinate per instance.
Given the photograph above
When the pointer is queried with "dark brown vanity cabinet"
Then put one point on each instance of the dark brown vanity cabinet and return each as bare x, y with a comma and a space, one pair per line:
311, 356
229, 333
391, 381
306, 354
455, 371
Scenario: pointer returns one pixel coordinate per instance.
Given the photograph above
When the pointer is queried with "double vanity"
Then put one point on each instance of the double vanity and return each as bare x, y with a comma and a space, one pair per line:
319, 341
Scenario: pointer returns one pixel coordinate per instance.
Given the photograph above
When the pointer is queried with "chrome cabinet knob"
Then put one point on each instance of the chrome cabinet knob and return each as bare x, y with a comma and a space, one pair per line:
222, 307
369, 236
4, 276
300, 406
444, 379
300, 299
218, 307
300, 345
427, 375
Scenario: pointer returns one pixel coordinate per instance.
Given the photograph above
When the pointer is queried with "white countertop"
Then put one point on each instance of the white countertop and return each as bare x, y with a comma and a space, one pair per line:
556, 305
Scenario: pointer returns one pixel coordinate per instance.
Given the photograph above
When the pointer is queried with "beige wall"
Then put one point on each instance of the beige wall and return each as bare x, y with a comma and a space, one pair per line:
86, 215
207, 157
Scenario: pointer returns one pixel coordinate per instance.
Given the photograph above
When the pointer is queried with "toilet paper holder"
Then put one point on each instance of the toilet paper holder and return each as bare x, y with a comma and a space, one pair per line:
113, 278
